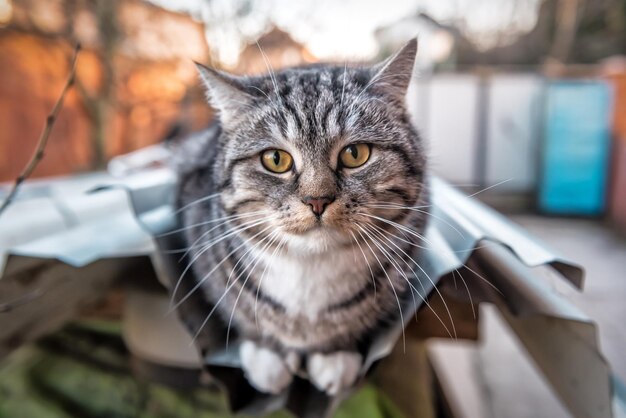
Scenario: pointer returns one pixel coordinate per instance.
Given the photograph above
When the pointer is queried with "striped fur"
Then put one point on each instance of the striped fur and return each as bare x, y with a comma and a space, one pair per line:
292, 282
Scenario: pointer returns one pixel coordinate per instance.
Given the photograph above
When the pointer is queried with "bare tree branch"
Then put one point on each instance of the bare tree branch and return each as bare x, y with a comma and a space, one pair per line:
45, 134
568, 17
22, 300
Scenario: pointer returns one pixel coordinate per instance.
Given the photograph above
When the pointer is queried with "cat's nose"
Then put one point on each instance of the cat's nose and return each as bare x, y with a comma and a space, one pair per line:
318, 204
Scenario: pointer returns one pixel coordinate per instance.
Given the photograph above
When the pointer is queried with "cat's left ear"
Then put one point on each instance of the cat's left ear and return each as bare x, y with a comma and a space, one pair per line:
394, 74
225, 92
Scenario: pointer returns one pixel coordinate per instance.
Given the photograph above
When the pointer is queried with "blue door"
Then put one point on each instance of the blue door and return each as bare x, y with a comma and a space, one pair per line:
576, 148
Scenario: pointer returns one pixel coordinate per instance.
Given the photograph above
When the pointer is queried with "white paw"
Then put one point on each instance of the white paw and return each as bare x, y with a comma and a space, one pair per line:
263, 368
334, 372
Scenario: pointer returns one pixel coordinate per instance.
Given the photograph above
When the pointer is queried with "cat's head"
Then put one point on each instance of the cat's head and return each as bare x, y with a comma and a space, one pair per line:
318, 151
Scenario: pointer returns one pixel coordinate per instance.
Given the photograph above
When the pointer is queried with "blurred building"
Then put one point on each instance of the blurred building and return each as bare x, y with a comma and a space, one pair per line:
133, 86
276, 49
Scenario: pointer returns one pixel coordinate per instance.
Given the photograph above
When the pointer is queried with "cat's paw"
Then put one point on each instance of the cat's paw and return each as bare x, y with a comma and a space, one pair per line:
334, 372
264, 369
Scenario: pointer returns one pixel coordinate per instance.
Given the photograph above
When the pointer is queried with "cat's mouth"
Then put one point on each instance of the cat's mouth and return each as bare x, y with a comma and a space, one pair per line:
317, 238
314, 228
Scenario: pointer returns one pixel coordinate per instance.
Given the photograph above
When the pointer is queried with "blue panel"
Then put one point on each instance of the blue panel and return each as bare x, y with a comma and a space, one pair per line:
576, 148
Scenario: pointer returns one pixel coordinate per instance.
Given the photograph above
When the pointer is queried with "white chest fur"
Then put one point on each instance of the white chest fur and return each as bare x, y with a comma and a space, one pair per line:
308, 284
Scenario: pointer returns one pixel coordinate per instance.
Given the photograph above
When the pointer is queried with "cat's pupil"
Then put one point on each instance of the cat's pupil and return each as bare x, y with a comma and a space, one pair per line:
353, 150
276, 157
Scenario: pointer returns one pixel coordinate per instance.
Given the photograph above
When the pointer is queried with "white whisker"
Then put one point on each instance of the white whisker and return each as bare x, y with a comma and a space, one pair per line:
392, 288
270, 70
204, 234
258, 289
398, 226
343, 85
415, 209
490, 187
434, 285
200, 282
255, 259
202, 199
214, 308
366, 262
211, 221
468, 291
209, 245
393, 263
482, 278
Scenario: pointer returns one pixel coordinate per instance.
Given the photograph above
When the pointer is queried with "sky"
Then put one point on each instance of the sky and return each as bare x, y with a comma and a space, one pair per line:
344, 29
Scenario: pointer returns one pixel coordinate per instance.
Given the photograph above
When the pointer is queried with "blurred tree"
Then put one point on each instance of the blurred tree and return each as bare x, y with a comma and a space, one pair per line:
99, 104
135, 79
568, 13
566, 31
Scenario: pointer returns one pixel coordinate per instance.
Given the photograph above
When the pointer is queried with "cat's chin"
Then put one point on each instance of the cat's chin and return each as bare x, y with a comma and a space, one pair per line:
316, 241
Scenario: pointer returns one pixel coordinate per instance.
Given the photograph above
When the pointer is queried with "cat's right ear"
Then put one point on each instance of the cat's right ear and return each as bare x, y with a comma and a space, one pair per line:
224, 91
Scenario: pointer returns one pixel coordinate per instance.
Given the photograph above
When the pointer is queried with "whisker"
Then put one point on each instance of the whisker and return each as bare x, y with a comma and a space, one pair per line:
490, 187
366, 263
411, 243
215, 306
392, 288
261, 91
485, 280
204, 234
343, 86
415, 209
419, 281
255, 259
393, 263
258, 289
468, 291
398, 226
209, 245
270, 70
202, 199
214, 269
230, 217
416, 275
239, 261
374, 79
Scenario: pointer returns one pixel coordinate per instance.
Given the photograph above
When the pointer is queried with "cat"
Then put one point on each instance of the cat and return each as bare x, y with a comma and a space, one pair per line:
301, 208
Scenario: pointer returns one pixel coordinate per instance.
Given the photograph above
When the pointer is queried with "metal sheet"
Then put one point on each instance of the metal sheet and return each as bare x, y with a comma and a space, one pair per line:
560, 339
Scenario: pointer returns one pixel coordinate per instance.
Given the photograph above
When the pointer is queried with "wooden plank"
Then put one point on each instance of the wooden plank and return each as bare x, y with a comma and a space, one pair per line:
39, 296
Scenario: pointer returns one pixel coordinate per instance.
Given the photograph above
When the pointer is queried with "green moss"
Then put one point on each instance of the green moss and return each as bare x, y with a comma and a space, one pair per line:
18, 397
368, 402
83, 372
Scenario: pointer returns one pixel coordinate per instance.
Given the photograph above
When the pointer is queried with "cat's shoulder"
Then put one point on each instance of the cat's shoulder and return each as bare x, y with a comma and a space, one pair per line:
195, 150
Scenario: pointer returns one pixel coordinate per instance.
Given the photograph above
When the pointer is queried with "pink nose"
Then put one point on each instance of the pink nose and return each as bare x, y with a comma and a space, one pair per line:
318, 204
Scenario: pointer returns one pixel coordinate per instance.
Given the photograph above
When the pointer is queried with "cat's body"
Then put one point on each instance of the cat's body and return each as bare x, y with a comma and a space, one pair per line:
306, 263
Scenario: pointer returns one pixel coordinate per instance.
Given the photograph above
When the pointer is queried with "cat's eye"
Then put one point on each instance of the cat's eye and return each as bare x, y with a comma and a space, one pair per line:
355, 155
276, 161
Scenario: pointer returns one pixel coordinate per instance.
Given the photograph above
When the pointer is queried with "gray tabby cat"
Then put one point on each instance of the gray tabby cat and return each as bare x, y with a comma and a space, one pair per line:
302, 213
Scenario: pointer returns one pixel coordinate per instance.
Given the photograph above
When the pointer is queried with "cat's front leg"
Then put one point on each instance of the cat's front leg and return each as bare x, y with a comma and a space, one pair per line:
265, 369
334, 372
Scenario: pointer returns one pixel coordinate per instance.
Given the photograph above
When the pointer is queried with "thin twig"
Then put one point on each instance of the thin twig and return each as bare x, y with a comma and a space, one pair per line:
45, 134
22, 300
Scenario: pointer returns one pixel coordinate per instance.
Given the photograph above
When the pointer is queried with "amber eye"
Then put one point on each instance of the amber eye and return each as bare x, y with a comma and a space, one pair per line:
276, 161
355, 155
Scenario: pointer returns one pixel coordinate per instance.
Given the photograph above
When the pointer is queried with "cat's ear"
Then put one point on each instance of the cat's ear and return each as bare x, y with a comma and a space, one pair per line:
224, 91
394, 74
